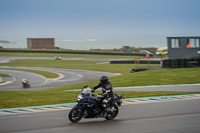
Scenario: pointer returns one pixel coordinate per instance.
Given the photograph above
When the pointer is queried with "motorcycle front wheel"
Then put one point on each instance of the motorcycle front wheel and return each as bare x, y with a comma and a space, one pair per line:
112, 112
75, 115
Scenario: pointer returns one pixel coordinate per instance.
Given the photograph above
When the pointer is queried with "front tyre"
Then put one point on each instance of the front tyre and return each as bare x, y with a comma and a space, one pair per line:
75, 115
112, 112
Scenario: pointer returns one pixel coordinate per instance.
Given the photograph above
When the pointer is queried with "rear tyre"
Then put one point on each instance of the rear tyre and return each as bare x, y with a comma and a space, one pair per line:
75, 115
112, 112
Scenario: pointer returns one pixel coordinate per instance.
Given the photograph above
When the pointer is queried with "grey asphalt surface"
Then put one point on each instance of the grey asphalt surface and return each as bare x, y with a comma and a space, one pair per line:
35, 79
38, 82
180, 116
9, 58
70, 76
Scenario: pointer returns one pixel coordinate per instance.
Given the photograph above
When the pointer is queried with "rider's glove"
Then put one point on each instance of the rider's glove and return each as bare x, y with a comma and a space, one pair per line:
99, 96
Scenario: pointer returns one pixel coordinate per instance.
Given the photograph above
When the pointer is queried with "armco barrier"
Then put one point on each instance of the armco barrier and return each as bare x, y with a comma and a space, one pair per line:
133, 62
73, 52
181, 63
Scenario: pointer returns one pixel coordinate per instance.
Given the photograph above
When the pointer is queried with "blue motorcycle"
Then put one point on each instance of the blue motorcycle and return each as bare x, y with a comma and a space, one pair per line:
90, 106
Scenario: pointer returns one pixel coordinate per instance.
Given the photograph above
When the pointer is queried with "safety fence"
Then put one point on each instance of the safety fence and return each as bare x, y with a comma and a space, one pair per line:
74, 52
136, 61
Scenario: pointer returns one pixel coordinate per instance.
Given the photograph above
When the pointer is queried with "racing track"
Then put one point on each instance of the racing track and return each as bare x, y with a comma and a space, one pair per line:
74, 76
38, 82
170, 116
179, 116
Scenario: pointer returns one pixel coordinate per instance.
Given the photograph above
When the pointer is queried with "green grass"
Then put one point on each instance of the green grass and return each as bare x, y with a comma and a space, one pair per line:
57, 95
48, 63
22, 54
43, 73
158, 77
4, 75
145, 78
12, 99
73, 64
150, 77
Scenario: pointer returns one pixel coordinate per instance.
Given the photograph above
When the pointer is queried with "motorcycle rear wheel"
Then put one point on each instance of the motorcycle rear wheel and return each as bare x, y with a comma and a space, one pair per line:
114, 113
75, 115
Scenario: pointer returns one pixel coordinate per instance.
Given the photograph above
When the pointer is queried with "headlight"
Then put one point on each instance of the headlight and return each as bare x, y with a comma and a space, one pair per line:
79, 97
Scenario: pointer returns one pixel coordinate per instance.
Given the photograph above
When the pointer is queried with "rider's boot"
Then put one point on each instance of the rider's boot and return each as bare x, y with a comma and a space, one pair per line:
104, 113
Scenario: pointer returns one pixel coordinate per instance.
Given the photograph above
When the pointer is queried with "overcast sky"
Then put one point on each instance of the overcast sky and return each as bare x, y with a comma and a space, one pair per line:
98, 18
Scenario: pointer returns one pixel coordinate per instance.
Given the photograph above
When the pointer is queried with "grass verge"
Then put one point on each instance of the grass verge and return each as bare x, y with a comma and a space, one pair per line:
67, 64
12, 99
43, 73
4, 75
146, 78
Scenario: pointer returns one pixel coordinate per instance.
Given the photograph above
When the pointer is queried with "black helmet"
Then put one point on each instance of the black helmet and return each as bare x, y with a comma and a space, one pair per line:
104, 79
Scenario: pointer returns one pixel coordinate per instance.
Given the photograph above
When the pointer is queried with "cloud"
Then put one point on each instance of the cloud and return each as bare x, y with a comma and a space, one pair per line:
92, 40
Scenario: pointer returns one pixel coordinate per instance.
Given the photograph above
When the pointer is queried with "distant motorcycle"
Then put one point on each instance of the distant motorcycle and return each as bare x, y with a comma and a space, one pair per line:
58, 58
25, 84
90, 106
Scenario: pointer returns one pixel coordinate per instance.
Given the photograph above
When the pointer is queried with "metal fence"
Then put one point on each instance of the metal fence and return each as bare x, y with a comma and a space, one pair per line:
134, 62
73, 52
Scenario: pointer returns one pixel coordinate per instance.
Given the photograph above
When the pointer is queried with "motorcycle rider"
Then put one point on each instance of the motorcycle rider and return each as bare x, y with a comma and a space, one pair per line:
107, 91
25, 82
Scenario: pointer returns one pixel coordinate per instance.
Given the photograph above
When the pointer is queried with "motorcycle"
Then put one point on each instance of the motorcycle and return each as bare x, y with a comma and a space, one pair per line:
26, 84
90, 106
58, 58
